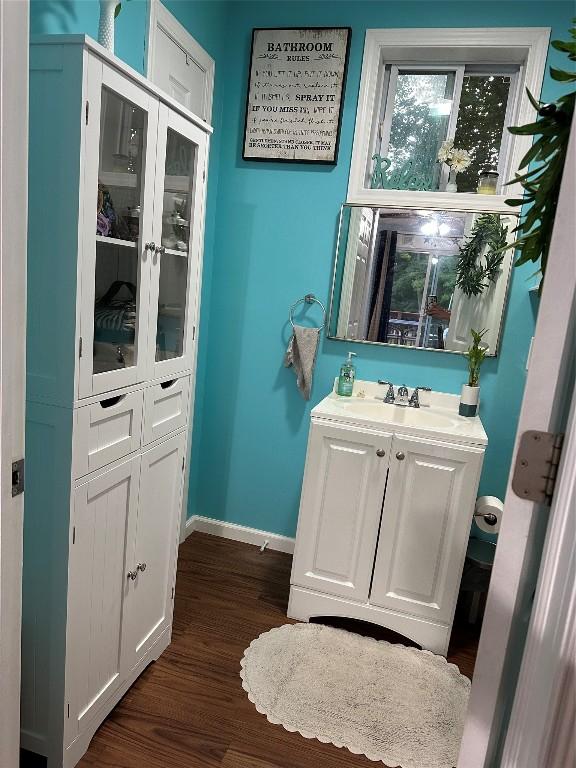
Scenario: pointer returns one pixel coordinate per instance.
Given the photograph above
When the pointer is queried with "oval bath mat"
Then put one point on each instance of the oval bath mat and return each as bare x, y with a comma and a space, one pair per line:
402, 706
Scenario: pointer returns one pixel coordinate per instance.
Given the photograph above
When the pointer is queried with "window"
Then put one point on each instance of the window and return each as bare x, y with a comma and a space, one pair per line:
421, 88
423, 107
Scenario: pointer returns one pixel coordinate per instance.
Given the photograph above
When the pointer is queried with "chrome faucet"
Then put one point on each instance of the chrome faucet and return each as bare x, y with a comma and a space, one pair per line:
389, 398
415, 400
402, 396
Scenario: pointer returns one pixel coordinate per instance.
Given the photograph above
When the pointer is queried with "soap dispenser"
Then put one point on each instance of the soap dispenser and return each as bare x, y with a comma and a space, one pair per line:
347, 376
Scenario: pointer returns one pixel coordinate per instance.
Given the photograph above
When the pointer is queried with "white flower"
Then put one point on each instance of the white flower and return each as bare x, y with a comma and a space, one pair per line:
445, 151
460, 160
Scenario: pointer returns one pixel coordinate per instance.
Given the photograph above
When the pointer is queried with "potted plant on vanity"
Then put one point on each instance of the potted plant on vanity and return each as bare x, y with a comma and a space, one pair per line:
471, 391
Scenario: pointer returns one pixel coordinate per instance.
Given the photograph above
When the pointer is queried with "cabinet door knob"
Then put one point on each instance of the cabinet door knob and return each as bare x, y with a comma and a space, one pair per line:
141, 567
160, 249
400, 456
132, 575
380, 452
150, 246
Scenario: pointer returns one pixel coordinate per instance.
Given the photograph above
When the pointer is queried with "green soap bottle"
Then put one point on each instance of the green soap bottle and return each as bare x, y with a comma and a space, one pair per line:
347, 376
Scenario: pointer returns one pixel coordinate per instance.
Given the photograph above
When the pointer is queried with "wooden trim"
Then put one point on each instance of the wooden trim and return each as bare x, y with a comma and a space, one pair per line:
238, 533
529, 43
14, 21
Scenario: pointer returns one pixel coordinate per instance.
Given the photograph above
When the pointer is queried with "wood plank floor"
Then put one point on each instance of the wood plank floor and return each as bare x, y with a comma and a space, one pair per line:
188, 710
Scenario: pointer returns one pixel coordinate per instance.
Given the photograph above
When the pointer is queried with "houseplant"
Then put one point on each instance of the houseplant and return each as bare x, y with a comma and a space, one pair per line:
471, 392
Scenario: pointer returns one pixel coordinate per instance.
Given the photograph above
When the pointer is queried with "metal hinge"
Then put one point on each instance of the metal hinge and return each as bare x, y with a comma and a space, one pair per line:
17, 477
183, 462
80, 347
68, 710
74, 535
536, 467
87, 111
172, 593
193, 332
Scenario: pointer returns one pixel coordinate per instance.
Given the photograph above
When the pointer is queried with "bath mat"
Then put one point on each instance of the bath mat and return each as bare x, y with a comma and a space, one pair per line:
398, 705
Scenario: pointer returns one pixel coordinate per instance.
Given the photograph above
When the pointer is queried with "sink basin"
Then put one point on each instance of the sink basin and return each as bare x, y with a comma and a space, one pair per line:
437, 418
378, 411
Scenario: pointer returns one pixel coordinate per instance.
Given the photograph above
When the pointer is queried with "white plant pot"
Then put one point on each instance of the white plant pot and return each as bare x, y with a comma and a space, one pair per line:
106, 24
469, 399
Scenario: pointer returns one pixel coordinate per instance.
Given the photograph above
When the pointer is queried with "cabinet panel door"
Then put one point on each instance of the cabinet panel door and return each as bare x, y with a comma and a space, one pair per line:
178, 232
155, 549
103, 528
340, 510
118, 201
425, 526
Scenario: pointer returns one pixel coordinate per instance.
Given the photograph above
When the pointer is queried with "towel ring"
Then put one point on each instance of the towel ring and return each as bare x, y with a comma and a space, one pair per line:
308, 299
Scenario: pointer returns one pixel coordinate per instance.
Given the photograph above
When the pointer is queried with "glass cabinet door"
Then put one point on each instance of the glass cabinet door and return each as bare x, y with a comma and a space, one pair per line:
120, 173
178, 235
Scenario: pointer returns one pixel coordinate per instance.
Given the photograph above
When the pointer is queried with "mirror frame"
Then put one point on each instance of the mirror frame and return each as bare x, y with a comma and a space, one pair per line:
507, 277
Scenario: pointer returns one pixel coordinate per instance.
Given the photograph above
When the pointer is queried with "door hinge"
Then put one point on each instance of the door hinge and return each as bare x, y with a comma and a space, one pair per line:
183, 462
87, 111
80, 347
68, 715
74, 534
17, 477
536, 466
193, 332
172, 593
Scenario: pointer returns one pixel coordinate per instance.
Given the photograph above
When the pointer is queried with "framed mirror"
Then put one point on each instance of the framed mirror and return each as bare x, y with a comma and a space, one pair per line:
420, 278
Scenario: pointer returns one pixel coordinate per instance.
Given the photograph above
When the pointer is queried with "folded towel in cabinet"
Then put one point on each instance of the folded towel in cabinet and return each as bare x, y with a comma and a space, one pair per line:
301, 355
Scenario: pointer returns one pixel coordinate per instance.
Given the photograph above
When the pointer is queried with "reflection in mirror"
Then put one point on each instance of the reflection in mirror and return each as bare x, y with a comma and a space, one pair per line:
420, 278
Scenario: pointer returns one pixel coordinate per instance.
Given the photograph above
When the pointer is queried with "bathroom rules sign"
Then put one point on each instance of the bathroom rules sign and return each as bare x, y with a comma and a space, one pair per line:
295, 94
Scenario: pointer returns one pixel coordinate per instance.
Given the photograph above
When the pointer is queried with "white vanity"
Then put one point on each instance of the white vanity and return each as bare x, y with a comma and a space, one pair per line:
385, 514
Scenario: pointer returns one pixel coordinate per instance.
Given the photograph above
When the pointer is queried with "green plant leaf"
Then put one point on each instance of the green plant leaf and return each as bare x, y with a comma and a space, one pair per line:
559, 74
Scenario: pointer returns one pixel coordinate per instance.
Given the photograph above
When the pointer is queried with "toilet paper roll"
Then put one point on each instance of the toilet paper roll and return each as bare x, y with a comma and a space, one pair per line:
488, 505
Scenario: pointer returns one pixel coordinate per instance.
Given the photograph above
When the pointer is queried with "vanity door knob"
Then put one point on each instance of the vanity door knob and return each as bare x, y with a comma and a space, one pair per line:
160, 249
400, 456
380, 452
141, 567
150, 246
132, 575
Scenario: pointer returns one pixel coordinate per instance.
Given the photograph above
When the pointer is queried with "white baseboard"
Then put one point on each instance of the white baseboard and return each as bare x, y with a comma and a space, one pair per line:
239, 533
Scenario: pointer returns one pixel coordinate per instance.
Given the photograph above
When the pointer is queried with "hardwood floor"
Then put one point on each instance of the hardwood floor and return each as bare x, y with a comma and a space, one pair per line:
188, 710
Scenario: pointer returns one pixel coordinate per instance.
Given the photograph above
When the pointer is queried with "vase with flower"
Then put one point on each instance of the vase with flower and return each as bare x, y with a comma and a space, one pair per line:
456, 159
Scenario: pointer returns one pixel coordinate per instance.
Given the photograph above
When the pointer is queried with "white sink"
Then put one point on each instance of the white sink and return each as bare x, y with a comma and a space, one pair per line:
437, 417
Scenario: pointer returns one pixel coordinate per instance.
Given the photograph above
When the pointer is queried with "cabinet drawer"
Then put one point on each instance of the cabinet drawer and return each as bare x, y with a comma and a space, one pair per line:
106, 431
165, 408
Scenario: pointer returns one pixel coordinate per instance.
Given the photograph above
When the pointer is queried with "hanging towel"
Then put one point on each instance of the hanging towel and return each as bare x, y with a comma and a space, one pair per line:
301, 354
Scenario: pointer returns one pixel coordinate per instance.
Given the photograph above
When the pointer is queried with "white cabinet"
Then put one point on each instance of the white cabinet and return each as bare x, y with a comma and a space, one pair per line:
154, 549
116, 222
342, 498
383, 528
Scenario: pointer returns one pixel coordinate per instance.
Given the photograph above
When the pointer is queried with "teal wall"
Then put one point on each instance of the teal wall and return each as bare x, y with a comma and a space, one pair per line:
274, 241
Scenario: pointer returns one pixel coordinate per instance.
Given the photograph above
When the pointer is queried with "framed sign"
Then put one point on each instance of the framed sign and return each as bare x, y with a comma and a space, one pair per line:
295, 94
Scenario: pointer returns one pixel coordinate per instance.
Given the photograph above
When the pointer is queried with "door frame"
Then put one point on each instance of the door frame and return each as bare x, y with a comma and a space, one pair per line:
159, 15
505, 638
14, 21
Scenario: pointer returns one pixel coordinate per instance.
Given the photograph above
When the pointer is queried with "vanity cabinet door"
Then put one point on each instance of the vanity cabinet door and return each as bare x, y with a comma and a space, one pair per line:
340, 509
155, 548
425, 526
101, 542
178, 235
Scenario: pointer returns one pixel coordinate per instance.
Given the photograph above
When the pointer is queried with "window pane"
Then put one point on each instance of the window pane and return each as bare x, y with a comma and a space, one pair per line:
419, 125
480, 125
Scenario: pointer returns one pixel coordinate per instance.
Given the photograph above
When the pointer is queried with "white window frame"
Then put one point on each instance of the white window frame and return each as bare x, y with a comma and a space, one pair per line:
524, 46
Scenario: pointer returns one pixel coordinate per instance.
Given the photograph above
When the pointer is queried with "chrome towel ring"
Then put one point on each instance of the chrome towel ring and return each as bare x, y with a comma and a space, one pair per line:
308, 299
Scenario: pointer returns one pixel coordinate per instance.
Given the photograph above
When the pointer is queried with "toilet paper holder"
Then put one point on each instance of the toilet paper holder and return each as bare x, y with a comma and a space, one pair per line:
489, 517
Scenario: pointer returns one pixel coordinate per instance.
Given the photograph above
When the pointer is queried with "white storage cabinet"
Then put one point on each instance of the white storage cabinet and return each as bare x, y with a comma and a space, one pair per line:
116, 221
383, 529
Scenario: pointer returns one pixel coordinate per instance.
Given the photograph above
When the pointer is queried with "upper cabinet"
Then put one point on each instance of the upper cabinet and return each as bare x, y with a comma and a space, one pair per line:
141, 235
115, 250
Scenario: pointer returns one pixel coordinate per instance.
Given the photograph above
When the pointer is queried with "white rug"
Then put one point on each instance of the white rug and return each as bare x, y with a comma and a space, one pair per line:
402, 706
